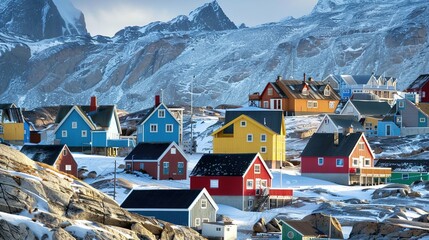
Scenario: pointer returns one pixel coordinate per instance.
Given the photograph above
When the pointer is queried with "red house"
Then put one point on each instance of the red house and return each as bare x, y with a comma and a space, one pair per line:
162, 161
239, 180
421, 87
58, 156
341, 158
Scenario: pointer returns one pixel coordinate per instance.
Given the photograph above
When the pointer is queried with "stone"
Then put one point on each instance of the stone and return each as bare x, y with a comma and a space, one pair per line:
330, 226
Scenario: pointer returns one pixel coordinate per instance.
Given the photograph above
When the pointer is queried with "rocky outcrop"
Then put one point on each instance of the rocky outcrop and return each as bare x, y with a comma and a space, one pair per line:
48, 201
376, 230
395, 190
329, 225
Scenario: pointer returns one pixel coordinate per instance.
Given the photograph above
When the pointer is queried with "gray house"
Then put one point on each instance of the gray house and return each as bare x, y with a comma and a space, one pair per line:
179, 206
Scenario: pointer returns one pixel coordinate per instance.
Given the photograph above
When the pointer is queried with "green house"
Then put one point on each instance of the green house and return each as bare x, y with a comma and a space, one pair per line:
300, 230
406, 171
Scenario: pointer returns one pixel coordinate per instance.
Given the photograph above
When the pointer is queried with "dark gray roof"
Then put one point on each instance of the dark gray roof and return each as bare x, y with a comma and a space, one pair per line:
101, 117
147, 151
315, 89
346, 121
371, 108
361, 79
304, 227
267, 117
223, 164
404, 165
47, 154
322, 144
7, 105
278, 89
161, 198
419, 82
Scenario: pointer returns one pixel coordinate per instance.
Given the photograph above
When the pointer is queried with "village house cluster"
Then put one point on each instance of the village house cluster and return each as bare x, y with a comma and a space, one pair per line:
249, 144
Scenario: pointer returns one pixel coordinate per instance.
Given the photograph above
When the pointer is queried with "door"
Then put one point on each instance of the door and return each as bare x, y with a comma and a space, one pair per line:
388, 130
276, 104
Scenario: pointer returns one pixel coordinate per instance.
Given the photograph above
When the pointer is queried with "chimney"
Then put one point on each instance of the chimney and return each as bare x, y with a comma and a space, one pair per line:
157, 100
279, 78
336, 139
304, 77
93, 106
348, 130
310, 79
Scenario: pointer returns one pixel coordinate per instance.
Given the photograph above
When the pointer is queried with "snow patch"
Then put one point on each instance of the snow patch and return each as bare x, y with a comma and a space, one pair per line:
69, 13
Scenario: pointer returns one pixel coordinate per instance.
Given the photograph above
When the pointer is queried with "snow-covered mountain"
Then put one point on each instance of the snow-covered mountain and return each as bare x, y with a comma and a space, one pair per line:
223, 63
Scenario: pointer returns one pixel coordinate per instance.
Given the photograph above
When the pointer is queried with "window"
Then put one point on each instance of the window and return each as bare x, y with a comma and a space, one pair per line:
305, 91
249, 184
1, 129
331, 104
64, 152
68, 167
361, 146
64, 133
263, 137
257, 168
312, 104
320, 161
367, 162
74, 125
326, 121
203, 203
243, 123
265, 104
405, 176
218, 229
141, 166
264, 183
214, 183
180, 168
263, 149
422, 120
355, 162
250, 203
327, 92
249, 137
205, 220
173, 150
398, 119
270, 91
290, 235
154, 128
161, 113
169, 128
165, 167
401, 104
128, 167
340, 162
197, 222
84, 133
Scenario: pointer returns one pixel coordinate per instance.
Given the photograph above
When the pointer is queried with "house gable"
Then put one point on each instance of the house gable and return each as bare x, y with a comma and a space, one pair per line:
82, 116
246, 118
159, 123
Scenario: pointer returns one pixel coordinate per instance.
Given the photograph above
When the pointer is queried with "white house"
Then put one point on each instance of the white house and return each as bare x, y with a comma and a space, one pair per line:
226, 231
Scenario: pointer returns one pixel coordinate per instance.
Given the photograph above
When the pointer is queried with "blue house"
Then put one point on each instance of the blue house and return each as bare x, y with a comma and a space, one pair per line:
90, 127
159, 125
179, 206
404, 118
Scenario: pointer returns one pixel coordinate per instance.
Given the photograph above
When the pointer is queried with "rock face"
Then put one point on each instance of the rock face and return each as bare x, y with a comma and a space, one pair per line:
395, 190
373, 230
49, 202
325, 223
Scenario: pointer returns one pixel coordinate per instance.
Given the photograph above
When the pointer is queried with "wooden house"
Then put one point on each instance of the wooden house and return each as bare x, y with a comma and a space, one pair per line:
13, 127
339, 123
341, 158
251, 130
404, 118
162, 161
92, 127
420, 86
161, 124
58, 156
297, 97
179, 206
347, 85
239, 180
219, 230
300, 230
406, 171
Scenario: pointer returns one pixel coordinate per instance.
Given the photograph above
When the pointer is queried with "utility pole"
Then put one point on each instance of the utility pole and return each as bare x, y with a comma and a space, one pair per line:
114, 183
192, 112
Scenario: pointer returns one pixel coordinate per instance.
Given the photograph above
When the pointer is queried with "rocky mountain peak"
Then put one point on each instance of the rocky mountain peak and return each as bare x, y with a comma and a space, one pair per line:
41, 19
210, 16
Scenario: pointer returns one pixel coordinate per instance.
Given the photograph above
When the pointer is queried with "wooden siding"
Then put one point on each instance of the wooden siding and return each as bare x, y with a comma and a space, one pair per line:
74, 135
251, 175
64, 160
228, 186
13, 131
144, 134
198, 212
173, 160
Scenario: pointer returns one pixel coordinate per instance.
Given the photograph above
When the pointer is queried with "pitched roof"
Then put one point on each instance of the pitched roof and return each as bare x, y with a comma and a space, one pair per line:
361, 79
223, 164
304, 227
47, 154
346, 121
148, 151
404, 165
7, 105
371, 108
161, 198
273, 119
152, 110
315, 89
322, 144
100, 118
12, 115
419, 82
424, 107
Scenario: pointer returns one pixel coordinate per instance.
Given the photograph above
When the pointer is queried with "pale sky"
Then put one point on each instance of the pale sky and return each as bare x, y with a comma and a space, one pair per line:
106, 17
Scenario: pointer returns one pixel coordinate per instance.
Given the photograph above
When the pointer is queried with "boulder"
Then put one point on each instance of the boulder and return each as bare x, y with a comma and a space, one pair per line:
326, 224
258, 227
92, 174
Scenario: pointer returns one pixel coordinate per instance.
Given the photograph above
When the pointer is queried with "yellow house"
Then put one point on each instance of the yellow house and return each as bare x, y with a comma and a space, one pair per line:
252, 131
13, 128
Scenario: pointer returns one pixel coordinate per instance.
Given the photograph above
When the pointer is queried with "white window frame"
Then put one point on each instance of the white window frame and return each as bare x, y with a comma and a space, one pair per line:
181, 167
263, 149
64, 133
331, 104
173, 150
84, 133
270, 91
250, 203
249, 137
68, 167
257, 169
327, 92
74, 125
153, 128
243, 123
367, 160
203, 203
214, 183
422, 120
398, 119
263, 137
320, 161
161, 113
165, 165
249, 184
169, 128
339, 160
205, 220
355, 162
197, 222
361, 146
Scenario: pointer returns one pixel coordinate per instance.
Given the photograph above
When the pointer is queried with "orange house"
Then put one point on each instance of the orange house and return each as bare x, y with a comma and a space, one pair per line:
297, 97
